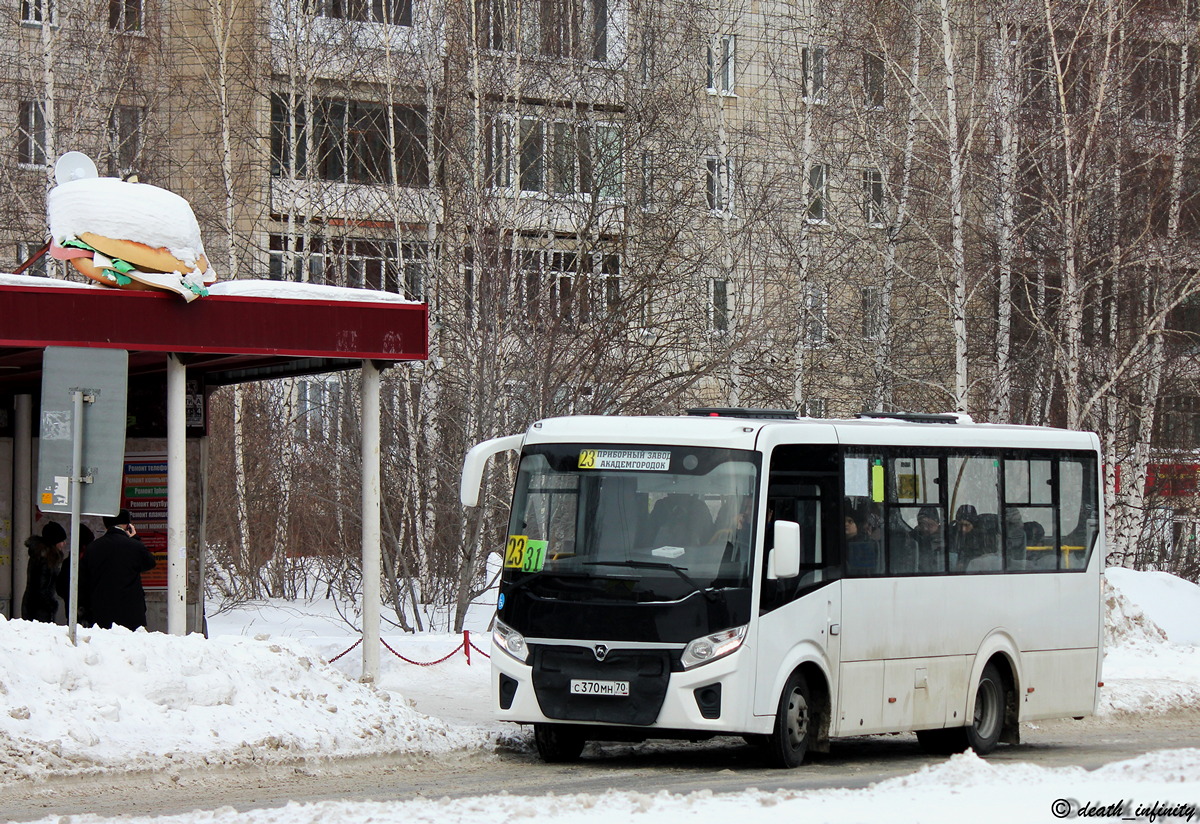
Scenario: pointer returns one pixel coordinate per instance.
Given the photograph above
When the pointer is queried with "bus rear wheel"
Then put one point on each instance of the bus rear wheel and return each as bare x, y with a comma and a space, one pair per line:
558, 743
788, 742
991, 697
987, 721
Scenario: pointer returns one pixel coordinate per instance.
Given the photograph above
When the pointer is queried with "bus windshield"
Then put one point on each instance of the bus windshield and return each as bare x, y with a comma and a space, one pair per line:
632, 524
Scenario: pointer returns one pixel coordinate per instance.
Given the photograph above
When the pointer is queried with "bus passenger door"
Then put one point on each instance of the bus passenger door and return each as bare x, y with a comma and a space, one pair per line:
799, 618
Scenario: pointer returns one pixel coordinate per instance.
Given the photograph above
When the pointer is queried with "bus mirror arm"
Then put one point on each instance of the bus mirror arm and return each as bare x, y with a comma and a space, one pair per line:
785, 557
476, 461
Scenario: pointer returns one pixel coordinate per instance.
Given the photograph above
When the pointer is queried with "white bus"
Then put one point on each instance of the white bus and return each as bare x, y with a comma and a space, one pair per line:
745, 572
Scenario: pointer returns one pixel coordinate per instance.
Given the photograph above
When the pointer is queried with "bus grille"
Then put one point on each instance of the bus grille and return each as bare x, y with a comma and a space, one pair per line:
647, 672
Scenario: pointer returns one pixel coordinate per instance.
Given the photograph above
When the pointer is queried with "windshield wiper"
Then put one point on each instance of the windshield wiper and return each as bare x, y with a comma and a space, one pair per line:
687, 579
530, 577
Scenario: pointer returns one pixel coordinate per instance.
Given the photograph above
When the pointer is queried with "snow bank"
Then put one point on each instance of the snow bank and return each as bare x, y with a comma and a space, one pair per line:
130, 701
1143, 670
1171, 602
134, 701
963, 788
1124, 621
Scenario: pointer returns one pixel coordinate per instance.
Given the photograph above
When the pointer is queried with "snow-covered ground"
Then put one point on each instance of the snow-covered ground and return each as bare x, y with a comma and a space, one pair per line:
259, 689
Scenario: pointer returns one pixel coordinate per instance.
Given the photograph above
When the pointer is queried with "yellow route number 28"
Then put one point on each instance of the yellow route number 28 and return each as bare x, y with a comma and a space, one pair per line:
523, 554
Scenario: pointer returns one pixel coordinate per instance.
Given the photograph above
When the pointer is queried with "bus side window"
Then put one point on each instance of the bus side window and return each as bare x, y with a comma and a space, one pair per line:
915, 518
1030, 534
1078, 510
974, 497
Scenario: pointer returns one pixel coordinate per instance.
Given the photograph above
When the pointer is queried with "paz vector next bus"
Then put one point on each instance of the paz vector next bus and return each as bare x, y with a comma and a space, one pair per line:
745, 572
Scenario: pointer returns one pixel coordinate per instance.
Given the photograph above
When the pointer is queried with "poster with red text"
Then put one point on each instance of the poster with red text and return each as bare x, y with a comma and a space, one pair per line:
144, 494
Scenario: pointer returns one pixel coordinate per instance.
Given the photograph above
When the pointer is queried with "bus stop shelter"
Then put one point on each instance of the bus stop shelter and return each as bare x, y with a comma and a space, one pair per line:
243, 331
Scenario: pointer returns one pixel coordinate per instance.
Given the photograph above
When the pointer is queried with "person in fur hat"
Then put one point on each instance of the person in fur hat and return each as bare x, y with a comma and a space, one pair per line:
46, 553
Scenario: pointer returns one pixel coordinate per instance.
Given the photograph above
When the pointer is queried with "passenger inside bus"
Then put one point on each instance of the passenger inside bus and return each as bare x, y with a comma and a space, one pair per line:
678, 520
863, 544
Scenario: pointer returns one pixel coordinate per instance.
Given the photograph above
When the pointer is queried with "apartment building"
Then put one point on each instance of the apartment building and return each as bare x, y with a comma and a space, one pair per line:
613, 205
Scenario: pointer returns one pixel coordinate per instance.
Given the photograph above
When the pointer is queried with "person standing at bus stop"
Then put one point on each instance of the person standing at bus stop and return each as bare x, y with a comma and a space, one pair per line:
46, 552
111, 572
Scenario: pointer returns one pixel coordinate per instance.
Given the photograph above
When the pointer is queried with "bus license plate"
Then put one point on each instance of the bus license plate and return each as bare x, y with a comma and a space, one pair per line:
617, 688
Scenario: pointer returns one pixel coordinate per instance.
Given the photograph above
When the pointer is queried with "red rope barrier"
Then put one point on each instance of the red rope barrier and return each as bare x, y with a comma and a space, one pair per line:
452, 653
467, 646
343, 652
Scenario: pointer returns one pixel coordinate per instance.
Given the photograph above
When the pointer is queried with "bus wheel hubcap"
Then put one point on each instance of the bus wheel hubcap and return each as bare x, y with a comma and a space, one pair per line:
797, 719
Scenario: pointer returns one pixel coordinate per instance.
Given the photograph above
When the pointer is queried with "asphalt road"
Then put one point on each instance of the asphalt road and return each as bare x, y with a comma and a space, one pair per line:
721, 765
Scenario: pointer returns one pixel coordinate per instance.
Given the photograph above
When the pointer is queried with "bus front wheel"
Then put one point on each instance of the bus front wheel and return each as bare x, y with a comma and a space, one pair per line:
788, 742
558, 743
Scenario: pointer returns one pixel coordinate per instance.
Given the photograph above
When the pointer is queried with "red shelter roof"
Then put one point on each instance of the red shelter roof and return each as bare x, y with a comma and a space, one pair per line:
284, 329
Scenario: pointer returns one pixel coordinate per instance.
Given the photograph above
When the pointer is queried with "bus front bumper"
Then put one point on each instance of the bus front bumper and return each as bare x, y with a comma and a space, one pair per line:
713, 698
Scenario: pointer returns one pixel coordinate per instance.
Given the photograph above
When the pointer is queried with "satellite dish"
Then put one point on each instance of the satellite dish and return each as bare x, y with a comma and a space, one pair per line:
74, 166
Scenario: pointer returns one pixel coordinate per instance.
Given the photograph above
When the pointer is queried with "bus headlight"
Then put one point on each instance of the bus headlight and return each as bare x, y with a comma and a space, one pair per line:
712, 647
511, 641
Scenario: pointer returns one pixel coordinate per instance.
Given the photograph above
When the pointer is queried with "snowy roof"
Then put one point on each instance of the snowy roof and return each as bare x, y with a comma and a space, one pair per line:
244, 330
272, 289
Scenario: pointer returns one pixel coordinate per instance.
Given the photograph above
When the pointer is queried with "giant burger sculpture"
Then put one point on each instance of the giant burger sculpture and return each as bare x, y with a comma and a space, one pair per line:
125, 235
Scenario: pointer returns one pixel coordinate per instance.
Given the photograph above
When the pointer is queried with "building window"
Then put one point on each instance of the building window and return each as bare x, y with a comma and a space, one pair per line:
498, 152
125, 15
816, 318
718, 305
565, 29
316, 408
31, 137
124, 140
874, 79
600, 30
32, 11
872, 313
722, 64
391, 12
289, 138
1154, 81
363, 264
609, 162
532, 151
872, 180
555, 157
569, 287
493, 24
647, 180
719, 183
39, 268
813, 68
301, 260
1178, 424
818, 192
570, 162
816, 408
350, 142
414, 266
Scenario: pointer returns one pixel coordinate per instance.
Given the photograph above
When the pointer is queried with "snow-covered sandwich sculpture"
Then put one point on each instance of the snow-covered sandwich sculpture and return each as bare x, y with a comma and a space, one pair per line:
125, 235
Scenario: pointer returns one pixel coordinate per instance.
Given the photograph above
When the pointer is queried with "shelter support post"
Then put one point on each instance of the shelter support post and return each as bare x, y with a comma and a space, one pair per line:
22, 517
371, 516
176, 496
77, 400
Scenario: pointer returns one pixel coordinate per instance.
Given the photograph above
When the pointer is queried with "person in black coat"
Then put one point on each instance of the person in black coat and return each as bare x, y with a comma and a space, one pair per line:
46, 551
111, 575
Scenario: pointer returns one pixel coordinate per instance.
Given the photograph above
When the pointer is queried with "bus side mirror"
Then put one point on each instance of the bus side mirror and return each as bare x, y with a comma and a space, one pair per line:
476, 461
785, 557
